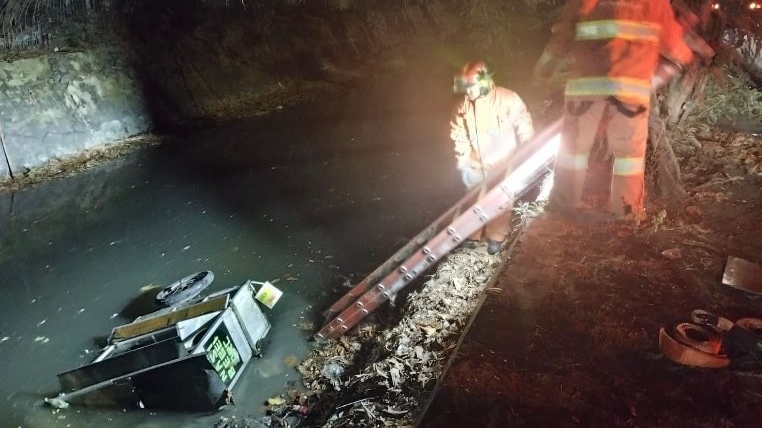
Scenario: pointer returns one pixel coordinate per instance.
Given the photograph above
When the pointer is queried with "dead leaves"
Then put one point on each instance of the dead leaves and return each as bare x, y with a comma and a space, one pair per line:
405, 359
671, 253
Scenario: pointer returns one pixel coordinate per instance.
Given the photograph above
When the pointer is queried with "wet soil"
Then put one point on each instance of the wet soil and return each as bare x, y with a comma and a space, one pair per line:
572, 338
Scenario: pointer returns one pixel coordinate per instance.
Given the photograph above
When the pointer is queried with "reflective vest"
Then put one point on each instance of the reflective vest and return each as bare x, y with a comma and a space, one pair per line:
613, 47
486, 131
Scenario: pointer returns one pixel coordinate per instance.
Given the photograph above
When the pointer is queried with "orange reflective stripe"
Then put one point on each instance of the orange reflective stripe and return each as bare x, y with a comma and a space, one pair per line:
629, 166
572, 161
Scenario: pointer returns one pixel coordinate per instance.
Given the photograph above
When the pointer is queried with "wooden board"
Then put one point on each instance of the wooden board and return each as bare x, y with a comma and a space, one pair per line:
156, 323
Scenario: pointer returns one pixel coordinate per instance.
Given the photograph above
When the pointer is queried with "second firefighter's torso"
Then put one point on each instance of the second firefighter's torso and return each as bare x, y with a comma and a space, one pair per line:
617, 48
490, 122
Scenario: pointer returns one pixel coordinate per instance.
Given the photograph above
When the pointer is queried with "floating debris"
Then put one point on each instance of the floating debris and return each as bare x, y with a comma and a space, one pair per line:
290, 361
306, 326
148, 287
275, 401
57, 403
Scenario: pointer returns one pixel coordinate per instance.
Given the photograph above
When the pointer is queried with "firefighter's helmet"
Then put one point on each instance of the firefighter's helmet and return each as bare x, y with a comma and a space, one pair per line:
473, 73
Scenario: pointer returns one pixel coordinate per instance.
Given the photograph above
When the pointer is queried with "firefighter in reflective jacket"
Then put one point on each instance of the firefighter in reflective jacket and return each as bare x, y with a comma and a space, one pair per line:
613, 48
486, 126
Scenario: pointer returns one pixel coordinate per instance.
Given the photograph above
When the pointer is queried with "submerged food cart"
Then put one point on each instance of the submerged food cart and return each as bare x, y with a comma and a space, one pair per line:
187, 356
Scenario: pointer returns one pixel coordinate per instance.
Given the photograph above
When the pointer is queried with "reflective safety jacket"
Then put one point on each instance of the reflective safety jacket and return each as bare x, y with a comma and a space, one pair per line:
486, 131
613, 47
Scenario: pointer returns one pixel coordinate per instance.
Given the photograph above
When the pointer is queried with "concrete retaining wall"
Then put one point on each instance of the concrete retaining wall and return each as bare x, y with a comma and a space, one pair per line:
62, 104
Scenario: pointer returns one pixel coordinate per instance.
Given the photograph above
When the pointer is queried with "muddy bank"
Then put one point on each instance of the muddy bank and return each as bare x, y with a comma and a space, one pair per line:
572, 340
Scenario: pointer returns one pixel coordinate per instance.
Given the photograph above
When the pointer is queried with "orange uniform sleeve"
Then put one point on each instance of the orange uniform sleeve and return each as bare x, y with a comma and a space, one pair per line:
563, 33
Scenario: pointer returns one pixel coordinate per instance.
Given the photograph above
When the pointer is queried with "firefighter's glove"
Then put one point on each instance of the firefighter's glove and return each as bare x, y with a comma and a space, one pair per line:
471, 176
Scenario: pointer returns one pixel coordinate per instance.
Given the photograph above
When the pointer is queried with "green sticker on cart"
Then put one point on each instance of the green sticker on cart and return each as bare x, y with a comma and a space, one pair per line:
223, 355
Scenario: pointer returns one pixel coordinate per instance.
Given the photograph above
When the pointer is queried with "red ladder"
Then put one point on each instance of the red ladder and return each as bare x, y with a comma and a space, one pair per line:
405, 252
531, 162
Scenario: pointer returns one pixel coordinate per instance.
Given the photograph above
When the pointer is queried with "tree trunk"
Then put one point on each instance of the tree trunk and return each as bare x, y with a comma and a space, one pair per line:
665, 171
669, 110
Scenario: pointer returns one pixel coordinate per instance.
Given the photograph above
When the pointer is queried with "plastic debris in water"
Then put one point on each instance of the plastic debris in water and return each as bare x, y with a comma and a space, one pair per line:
332, 370
148, 287
275, 401
268, 294
57, 403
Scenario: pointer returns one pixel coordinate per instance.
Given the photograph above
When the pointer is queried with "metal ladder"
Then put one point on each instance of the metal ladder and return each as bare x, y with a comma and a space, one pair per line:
530, 163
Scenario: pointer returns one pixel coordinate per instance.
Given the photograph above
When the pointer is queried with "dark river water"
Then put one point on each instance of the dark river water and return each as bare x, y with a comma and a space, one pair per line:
308, 196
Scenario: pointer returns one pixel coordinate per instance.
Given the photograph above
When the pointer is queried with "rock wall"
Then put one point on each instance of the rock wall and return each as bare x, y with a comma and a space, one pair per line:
61, 104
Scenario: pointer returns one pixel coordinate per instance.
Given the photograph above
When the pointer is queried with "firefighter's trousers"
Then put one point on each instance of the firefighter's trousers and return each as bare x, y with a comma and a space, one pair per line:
625, 128
497, 229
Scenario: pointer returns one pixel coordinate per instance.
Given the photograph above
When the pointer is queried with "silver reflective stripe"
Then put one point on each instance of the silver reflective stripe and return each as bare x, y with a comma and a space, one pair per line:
629, 166
545, 58
618, 29
572, 161
598, 86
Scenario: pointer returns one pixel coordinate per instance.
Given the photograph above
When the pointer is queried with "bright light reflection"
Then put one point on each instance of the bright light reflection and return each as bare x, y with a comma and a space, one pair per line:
545, 188
521, 176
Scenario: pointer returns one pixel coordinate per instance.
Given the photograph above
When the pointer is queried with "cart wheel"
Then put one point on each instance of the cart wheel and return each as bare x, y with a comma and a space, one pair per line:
260, 346
185, 289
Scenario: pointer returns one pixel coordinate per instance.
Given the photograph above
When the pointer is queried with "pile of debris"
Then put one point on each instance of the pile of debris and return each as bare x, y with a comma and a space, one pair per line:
381, 376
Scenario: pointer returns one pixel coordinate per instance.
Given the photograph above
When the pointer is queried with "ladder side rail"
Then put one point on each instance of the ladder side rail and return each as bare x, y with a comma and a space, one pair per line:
395, 280
440, 245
